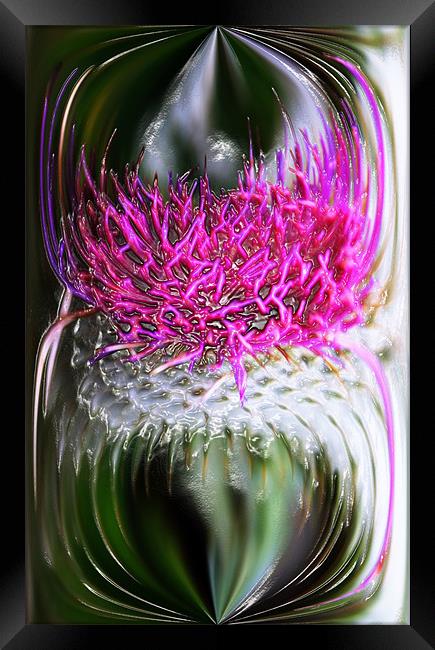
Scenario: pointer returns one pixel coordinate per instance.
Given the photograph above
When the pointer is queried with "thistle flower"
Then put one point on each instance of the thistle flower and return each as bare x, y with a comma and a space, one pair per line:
205, 277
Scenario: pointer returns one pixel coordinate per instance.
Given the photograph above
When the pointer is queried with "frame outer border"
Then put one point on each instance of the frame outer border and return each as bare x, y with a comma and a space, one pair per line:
14, 18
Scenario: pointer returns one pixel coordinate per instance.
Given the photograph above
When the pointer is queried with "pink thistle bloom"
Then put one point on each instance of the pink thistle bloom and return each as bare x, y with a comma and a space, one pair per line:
220, 276
202, 277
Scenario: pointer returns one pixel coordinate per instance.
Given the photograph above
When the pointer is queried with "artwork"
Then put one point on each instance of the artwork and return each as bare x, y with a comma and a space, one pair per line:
219, 260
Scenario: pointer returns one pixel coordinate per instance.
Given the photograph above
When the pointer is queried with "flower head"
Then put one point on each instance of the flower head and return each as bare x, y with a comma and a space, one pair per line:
206, 277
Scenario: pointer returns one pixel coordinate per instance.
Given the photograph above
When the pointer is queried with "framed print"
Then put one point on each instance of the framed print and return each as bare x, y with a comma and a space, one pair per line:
217, 337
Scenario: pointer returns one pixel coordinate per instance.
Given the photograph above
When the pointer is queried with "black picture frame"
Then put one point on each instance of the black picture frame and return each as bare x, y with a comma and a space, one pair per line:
15, 16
